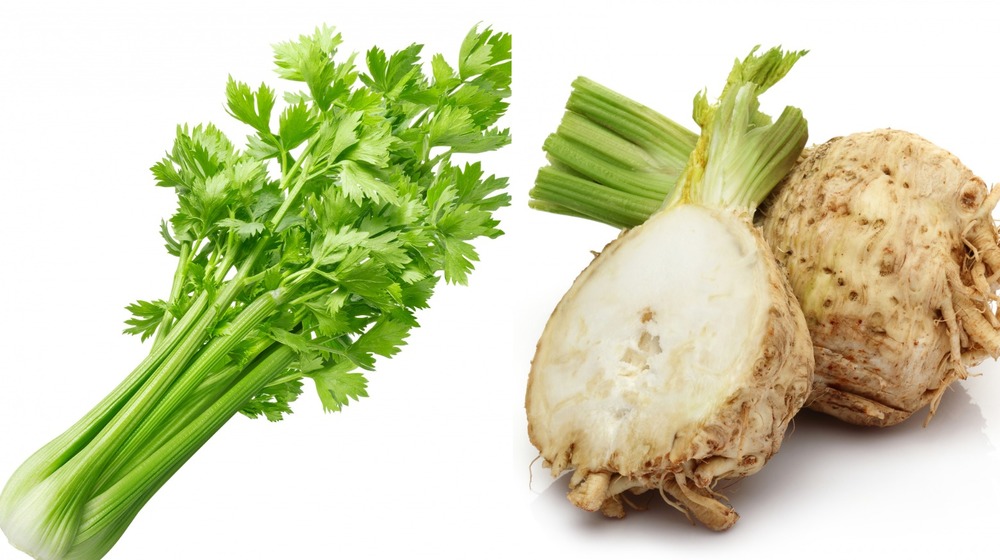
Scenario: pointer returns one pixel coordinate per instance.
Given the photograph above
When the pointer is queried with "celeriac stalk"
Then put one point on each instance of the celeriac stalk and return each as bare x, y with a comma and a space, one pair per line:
619, 140
613, 160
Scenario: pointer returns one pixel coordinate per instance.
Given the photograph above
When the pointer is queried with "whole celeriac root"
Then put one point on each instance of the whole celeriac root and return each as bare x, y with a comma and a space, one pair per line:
890, 247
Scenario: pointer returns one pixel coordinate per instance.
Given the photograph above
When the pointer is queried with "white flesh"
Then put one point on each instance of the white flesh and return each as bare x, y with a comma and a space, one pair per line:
652, 340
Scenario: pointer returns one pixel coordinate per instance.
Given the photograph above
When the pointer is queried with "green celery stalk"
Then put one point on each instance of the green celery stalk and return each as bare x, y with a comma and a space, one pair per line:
615, 161
612, 159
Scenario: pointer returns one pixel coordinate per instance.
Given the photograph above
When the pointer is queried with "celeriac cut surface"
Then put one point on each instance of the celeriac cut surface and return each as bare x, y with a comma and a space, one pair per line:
676, 359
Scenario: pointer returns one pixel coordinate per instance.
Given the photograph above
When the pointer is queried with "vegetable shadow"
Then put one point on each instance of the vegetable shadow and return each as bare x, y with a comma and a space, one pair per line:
822, 461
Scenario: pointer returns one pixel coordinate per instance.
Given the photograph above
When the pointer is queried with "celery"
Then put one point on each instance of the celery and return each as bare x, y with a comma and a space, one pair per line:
306, 275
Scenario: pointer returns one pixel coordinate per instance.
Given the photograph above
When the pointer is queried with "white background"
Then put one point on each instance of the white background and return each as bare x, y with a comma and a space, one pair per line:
437, 463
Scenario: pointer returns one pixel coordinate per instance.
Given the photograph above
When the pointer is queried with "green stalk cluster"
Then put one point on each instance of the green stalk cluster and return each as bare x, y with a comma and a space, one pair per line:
611, 159
615, 161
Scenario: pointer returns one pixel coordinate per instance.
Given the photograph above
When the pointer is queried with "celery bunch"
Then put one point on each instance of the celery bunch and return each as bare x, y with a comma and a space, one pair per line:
302, 256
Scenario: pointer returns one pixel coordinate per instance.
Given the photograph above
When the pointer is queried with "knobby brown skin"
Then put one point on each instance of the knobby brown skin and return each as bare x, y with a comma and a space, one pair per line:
736, 442
890, 247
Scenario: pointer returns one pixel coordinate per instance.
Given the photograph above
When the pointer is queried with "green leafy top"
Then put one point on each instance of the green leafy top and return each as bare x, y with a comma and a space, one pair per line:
741, 154
344, 206
302, 255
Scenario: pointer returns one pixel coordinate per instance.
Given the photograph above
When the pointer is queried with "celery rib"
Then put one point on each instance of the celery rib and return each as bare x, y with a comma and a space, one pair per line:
613, 160
616, 161
116, 505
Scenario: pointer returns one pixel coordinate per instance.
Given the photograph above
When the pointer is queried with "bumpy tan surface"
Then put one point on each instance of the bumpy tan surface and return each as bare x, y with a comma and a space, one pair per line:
889, 246
734, 441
